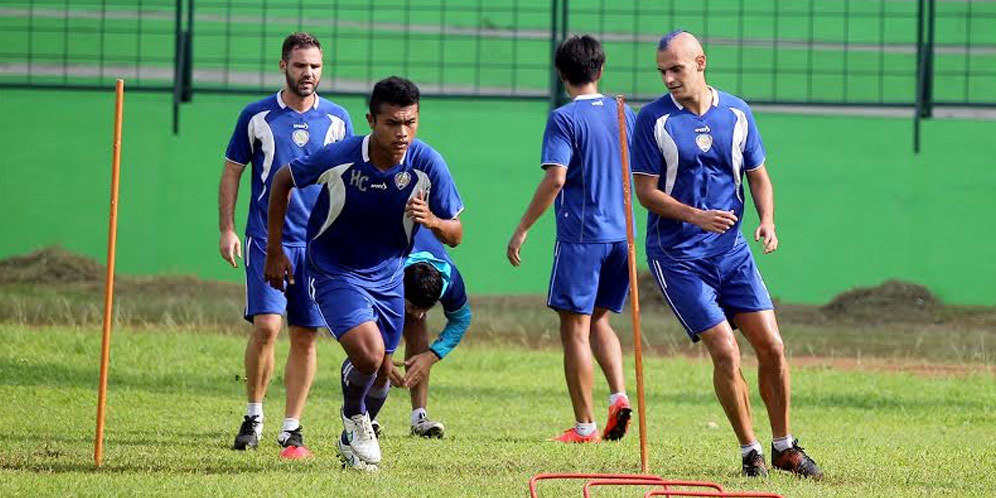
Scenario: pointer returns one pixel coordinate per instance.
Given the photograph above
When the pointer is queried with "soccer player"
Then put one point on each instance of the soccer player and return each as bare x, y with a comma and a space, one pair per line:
430, 277
377, 192
292, 123
691, 149
590, 276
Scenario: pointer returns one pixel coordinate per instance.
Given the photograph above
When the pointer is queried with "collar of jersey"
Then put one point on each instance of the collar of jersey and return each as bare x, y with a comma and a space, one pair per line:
715, 99
366, 152
589, 96
283, 105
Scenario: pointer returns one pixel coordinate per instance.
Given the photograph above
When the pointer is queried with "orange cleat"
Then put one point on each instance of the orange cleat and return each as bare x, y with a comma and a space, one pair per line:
619, 414
572, 436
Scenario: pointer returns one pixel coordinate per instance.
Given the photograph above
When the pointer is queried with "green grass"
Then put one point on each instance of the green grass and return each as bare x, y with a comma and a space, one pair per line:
175, 400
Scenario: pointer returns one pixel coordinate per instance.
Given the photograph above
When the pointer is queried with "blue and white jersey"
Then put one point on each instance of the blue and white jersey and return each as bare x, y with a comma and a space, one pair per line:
700, 161
358, 228
583, 136
269, 134
428, 249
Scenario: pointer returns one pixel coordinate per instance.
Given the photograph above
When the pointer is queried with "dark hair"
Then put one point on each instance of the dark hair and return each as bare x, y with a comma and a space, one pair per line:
423, 285
395, 91
668, 38
298, 40
579, 58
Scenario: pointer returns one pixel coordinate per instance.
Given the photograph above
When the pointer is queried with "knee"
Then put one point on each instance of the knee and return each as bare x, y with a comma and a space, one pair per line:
368, 361
726, 362
303, 339
771, 352
265, 331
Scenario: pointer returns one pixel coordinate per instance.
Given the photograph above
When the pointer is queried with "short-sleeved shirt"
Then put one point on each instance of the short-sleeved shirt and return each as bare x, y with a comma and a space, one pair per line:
583, 136
428, 249
269, 134
700, 161
358, 228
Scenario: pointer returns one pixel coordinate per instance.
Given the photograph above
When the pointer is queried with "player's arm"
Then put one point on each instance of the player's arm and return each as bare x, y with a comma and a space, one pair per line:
655, 200
547, 190
278, 268
764, 201
449, 232
417, 367
228, 193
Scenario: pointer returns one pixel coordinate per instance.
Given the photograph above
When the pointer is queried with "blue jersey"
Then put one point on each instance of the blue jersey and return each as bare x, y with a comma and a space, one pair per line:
358, 229
700, 161
583, 136
269, 134
428, 249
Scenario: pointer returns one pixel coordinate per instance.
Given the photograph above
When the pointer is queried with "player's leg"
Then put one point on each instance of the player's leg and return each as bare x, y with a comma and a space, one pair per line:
613, 288
417, 342
365, 353
573, 286
377, 395
761, 330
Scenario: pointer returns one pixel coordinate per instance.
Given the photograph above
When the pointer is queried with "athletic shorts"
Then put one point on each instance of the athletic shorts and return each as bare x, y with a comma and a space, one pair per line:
344, 304
705, 292
261, 299
586, 276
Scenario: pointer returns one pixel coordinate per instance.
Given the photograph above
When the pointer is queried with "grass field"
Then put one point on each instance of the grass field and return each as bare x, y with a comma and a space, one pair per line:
175, 399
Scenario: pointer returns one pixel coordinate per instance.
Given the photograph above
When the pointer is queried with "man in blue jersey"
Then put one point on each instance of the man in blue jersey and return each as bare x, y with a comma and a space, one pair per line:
430, 277
377, 192
292, 123
581, 156
691, 149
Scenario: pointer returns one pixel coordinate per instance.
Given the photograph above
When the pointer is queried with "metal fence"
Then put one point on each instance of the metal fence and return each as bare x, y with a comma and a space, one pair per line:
803, 52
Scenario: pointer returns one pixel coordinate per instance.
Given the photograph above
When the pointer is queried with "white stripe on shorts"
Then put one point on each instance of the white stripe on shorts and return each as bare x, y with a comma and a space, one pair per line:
663, 284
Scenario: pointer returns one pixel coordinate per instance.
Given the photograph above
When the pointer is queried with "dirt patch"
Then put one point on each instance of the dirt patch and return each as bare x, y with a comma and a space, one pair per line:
50, 265
892, 365
890, 301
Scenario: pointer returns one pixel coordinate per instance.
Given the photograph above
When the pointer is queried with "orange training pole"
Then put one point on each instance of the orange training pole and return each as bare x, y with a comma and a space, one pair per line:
634, 296
112, 236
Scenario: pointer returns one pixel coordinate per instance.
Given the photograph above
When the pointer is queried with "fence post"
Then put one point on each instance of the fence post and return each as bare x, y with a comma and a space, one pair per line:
188, 56
177, 51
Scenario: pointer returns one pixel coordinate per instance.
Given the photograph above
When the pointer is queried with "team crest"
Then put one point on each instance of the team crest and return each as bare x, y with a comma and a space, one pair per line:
300, 137
704, 141
402, 179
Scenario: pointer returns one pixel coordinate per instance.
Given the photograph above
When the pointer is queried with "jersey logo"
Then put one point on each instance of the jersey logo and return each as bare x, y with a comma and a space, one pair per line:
703, 129
359, 180
402, 179
300, 137
704, 142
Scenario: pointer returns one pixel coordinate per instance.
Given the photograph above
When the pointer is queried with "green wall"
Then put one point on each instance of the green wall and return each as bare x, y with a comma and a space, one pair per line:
854, 205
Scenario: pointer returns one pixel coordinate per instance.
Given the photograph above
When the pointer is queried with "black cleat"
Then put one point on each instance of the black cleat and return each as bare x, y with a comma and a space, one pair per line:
291, 438
247, 437
753, 465
796, 461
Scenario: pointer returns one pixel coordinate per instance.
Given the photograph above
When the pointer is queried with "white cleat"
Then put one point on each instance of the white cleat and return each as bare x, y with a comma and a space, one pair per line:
361, 437
349, 459
428, 428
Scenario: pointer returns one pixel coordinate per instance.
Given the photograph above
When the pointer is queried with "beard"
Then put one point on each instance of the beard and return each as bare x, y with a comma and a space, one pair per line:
295, 87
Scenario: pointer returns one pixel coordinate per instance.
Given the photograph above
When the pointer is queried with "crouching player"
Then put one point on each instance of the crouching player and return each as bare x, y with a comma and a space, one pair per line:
378, 191
430, 276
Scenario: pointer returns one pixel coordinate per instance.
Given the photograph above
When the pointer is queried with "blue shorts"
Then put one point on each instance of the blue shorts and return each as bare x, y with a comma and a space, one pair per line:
344, 304
586, 276
261, 299
705, 292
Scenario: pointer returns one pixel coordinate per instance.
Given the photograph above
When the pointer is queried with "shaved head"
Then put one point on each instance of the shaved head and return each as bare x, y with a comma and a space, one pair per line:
682, 62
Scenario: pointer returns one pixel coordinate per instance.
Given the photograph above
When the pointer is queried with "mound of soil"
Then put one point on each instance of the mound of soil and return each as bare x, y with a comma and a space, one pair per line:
890, 301
50, 265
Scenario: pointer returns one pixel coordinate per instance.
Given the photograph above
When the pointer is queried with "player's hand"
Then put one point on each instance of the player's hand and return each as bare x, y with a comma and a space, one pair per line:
766, 231
417, 368
514, 244
714, 220
277, 269
418, 210
230, 247
395, 376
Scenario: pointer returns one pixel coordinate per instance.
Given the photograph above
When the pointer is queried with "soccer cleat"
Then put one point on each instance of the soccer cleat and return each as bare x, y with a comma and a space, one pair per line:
376, 427
293, 443
249, 433
619, 414
796, 461
572, 436
428, 428
754, 466
360, 437
349, 459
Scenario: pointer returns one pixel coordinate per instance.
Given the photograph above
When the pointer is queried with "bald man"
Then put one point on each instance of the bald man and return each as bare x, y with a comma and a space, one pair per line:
691, 149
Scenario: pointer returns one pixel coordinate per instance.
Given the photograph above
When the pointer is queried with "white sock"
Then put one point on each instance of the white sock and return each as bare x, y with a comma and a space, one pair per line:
419, 414
782, 443
255, 410
615, 396
291, 424
745, 449
585, 428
